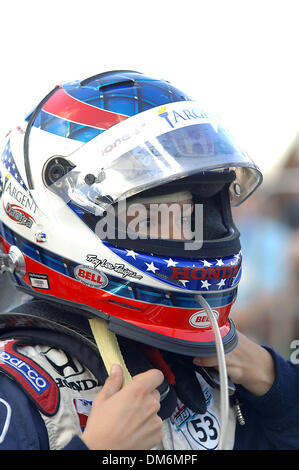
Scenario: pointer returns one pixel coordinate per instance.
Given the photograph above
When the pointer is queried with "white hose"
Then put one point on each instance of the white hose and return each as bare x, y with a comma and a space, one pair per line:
224, 400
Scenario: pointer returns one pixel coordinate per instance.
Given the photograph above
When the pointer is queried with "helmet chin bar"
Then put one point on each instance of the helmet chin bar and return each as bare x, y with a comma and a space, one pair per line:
13, 261
175, 345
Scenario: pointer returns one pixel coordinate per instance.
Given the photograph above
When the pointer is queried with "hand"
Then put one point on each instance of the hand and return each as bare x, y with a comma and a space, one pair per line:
248, 364
125, 418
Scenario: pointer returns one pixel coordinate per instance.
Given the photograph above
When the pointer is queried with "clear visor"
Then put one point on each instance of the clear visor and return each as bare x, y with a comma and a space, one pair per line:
133, 158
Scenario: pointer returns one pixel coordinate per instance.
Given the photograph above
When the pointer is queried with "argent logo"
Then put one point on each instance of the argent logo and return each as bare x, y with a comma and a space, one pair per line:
25, 200
173, 116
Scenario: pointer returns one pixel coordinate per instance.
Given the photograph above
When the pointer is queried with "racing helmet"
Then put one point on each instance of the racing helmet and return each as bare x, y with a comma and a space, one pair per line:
94, 147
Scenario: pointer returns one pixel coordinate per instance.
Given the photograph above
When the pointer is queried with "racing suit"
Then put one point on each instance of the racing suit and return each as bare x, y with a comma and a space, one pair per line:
51, 372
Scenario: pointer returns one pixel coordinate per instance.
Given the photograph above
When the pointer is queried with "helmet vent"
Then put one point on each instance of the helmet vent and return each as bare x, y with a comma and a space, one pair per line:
123, 83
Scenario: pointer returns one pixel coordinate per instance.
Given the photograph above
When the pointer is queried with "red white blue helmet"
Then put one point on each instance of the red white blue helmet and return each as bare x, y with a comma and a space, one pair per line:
89, 147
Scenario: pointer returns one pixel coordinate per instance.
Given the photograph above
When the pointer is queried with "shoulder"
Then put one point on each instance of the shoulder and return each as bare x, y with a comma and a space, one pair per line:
21, 426
271, 407
31, 376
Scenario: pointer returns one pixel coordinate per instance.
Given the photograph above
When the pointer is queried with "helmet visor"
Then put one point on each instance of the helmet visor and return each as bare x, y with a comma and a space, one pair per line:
151, 149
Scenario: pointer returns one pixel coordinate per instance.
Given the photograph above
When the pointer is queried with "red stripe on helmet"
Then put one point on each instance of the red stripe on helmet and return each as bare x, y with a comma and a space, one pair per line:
174, 322
64, 106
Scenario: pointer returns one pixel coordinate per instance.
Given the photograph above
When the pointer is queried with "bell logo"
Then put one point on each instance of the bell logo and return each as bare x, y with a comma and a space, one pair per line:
201, 320
91, 277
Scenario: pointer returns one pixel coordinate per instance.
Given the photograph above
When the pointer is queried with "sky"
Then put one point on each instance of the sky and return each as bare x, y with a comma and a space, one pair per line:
239, 58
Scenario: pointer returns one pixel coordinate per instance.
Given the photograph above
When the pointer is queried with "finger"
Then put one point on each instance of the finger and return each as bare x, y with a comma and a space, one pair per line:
156, 395
150, 379
205, 361
114, 382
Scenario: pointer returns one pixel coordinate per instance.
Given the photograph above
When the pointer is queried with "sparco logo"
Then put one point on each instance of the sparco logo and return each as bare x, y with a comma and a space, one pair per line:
38, 382
201, 320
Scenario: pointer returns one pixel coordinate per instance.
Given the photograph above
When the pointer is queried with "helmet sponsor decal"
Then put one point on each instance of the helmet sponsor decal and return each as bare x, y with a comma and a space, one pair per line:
40, 237
119, 268
91, 277
200, 273
20, 196
39, 281
200, 319
122, 138
17, 214
177, 116
205, 275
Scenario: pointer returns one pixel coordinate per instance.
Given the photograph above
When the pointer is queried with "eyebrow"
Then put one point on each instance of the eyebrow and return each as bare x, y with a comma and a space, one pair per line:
188, 201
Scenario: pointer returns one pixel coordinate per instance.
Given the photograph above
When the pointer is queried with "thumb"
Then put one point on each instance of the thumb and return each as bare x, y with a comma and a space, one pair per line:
114, 382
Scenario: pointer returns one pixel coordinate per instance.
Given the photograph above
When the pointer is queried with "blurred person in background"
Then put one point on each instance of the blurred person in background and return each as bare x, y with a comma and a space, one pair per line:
263, 296
286, 197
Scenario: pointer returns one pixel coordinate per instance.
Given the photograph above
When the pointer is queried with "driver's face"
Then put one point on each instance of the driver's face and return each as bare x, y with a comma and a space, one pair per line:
167, 221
